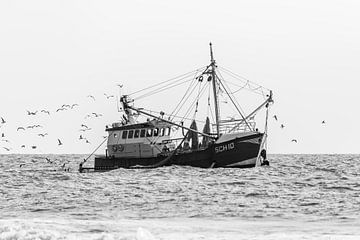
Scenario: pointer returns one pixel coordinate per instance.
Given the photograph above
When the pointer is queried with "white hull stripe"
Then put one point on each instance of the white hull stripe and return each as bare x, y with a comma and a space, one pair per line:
242, 163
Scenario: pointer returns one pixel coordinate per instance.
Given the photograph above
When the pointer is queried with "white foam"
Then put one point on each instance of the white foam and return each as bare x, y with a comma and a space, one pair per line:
143, 234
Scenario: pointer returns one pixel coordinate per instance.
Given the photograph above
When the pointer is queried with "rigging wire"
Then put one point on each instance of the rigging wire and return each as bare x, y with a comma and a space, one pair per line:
235, 105
238, 105
187, 91
160, 90
168, 115
171, 79
252, 86
192, 104
189, 95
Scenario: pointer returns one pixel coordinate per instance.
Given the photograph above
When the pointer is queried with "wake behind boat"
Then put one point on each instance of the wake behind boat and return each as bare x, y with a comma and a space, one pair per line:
164, 139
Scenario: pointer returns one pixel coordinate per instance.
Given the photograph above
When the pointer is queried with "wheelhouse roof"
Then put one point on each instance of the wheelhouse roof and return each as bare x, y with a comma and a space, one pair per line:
149, 124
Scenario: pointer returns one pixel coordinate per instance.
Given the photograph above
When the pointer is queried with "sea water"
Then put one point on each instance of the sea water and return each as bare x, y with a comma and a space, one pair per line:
296, 197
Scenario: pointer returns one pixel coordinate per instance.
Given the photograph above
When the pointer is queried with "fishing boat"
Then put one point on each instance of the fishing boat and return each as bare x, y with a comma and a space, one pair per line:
145, 138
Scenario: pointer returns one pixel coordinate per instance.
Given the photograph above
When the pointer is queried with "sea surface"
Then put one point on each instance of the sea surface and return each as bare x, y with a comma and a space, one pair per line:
296, 197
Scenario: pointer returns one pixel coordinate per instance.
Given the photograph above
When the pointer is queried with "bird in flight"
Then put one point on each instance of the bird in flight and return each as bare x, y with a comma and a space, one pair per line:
22, 146
42, 134
5, 140
323, 122
108, 96
120, 85
81, 137
65, 106
3, 120
48, 160
3, 135
87, 141
7, 149
20, 128
97, 114
294, 140
59, 142
45, 111
60, 109
91, 96
31, 113
73, 105
282, 126
275, 117
83, 125
33, 147
85, 129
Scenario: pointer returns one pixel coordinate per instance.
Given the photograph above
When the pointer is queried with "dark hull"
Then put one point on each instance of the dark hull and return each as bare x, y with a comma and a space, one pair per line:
237, 152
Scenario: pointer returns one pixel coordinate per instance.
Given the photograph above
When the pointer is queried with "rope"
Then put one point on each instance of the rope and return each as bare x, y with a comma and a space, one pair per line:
171, 79
252, 86
161, 89
85, 160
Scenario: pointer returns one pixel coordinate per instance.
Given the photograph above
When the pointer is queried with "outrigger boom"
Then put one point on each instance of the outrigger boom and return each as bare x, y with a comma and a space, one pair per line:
172, 123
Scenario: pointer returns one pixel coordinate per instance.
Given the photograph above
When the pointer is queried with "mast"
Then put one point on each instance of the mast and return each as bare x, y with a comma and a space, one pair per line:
216, 101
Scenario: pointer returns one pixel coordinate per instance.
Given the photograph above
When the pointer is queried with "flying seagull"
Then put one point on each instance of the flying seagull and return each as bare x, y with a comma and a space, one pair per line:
120, 85
294, 140
81, 137
60, 109
20, 128
59, 142
45, 111
91, 96
275, 117
66, 105
323, 122
73, 105
108, 96
83, 125
3, 120
3, 135
22, 146
31, 113
85, 129
87, 141
97, 114
282, 126
33, 147
7, 149
48, 160
42, 134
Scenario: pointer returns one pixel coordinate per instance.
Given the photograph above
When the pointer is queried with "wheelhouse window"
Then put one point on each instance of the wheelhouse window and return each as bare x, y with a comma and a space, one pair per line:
156, 132
142, 133
124, 134
136, 133
167, 131
131, 134
162, 132
149, 132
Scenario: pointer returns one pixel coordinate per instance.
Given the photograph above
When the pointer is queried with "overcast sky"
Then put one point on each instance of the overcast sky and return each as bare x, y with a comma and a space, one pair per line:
59, 52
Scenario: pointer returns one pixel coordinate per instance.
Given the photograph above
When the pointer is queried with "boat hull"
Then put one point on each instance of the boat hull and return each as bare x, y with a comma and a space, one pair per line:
238, 152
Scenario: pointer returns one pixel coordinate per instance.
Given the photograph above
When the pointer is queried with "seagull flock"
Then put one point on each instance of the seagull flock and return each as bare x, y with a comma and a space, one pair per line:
5, 142
282, 126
